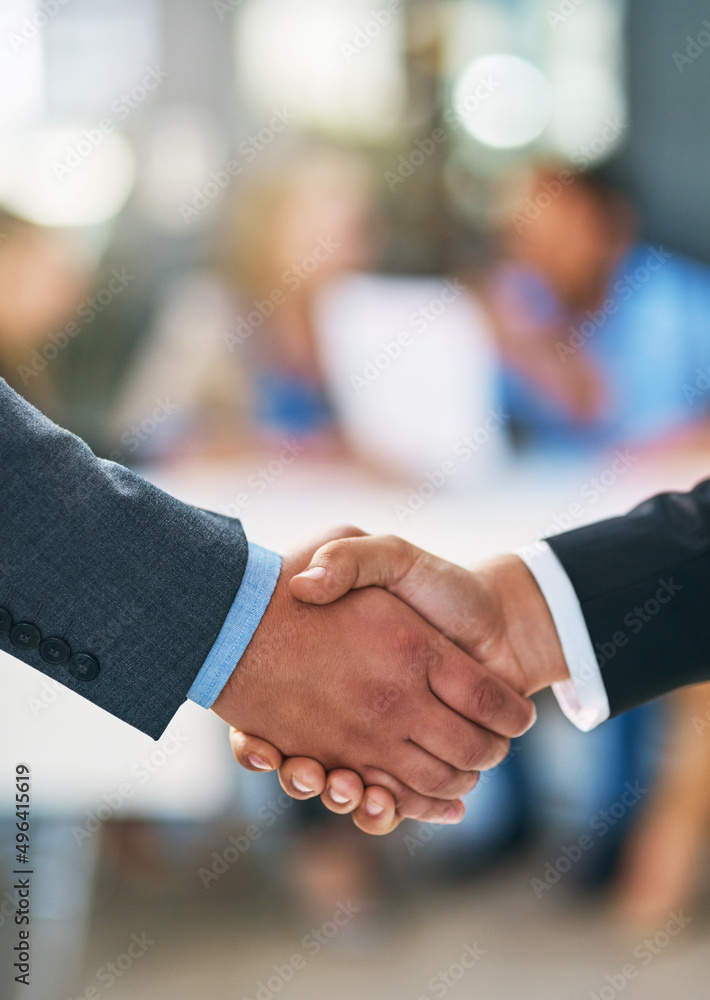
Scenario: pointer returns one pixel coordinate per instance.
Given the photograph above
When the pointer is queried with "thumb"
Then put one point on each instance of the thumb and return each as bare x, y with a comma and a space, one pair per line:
352, 563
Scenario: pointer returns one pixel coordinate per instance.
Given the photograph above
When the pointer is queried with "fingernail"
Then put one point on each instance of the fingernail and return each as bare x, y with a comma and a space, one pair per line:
342, 800
258, 762
300, 787
373, 809
315, 573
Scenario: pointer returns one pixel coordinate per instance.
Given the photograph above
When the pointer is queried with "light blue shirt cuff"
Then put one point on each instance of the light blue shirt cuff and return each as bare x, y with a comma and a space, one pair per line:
252, 600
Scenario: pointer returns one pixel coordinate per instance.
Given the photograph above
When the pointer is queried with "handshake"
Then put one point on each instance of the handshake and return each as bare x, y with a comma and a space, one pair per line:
385, 679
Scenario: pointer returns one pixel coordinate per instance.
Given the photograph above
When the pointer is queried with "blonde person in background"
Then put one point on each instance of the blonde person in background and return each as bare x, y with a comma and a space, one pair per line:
234, 347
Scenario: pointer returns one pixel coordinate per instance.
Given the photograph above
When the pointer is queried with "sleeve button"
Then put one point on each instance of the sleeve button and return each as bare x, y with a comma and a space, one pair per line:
55, 651
84, 667
25, 636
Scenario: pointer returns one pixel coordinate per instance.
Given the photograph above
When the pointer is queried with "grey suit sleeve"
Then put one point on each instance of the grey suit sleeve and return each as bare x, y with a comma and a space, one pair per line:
94, 556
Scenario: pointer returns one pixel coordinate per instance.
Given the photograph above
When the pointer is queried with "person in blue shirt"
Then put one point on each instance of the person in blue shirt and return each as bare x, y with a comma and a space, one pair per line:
604, 340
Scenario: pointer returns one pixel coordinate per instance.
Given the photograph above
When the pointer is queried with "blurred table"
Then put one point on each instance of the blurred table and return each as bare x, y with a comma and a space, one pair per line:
80, 755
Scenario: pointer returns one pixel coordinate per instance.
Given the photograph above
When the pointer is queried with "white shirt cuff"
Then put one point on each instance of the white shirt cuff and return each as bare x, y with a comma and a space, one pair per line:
583, 698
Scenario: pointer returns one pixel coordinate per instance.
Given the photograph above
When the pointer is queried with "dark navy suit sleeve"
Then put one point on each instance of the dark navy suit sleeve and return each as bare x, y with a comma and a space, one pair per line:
107, 584
643, 582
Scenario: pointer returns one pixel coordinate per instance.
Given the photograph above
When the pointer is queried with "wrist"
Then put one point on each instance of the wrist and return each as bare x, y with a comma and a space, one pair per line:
530, 628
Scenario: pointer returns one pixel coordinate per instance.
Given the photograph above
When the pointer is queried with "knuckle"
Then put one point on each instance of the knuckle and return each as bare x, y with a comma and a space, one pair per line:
336, 550
408, 804
385, 699
436, 812
487, 699
439, 783
418, 808
395, 543
465, 783
416, 652
474, 756
345, 531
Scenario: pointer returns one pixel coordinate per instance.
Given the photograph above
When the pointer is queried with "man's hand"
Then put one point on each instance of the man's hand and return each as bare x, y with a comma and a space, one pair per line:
496, 613
366, 684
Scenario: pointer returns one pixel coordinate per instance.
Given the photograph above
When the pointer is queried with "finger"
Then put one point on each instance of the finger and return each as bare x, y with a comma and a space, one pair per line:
254, 754
377, 814
411, 805
344, 791
302, 778
428, 775
466, 687
343, 531
456, 741
352, 563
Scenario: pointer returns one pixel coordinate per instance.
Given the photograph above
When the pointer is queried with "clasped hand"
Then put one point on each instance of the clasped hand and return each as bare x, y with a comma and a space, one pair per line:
385, 679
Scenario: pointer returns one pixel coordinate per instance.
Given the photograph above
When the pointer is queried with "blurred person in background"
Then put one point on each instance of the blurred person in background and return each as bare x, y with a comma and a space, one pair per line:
664, 856
303, 223
603, 339
43, 279
601, 342
235, 349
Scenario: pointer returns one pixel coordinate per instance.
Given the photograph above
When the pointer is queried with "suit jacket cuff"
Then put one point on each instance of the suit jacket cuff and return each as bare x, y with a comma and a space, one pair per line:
583, 698
253, 598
